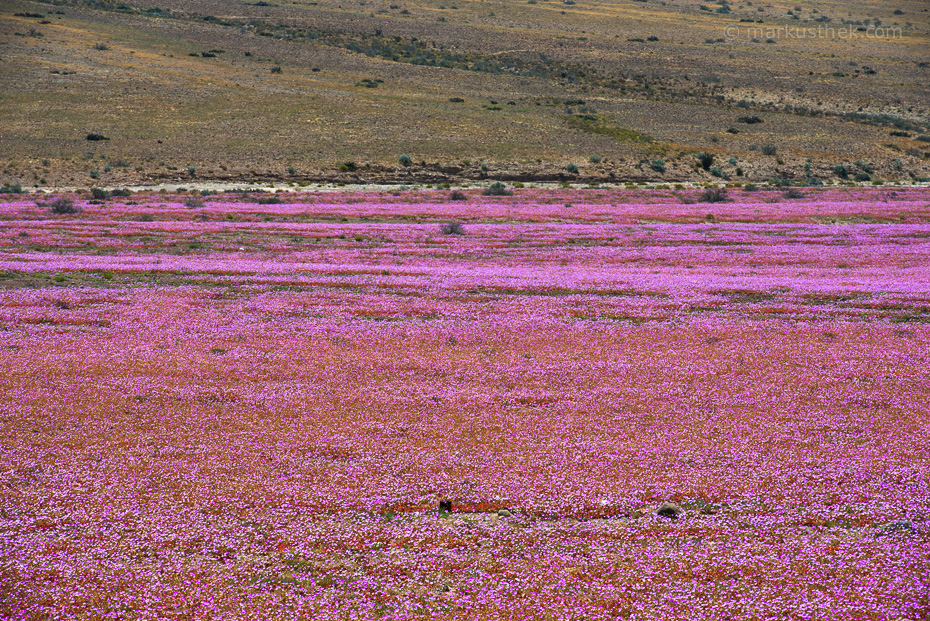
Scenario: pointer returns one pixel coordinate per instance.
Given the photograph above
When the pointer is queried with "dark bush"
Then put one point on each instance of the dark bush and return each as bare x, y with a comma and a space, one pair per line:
768, 149
793, 193
863, 176
99, 194
96, 137
657, 165
713, 195
841, 171
452, 228
572, 168
706, 159
63, 206
458, 196
749, 120
750, 187
11, 189
405, 160
121, 192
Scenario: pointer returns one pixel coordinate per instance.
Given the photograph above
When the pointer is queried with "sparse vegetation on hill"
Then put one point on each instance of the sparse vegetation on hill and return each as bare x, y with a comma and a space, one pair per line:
243, 91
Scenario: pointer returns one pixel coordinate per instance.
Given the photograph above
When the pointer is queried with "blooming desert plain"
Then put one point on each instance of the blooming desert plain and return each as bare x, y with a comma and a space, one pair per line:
579, 404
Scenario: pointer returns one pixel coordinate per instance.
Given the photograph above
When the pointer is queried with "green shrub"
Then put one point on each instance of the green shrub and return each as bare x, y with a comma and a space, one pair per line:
458, 196
657, 165
11, 189
405, 160
99, 194
497, 189
572, 168
595, 159
841, 171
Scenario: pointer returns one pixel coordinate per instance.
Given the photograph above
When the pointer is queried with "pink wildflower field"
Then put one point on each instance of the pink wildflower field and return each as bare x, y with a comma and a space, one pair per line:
253, 409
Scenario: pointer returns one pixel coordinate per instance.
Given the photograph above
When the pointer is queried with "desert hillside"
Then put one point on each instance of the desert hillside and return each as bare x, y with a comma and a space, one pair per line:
578, 91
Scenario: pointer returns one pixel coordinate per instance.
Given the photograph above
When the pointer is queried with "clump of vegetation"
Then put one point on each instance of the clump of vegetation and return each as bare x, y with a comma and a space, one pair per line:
11, 188
768, 149
193, 202
713, 195
99, 194
62, 206
864, 166
657, 165
191, 170
96, 137
750, 120
595, 159
750, 187
276, 69
793, 193
101, 47
706, 160
452, 228
841, 171
497, 189
458, 196
863, 176
572, 168
404, 160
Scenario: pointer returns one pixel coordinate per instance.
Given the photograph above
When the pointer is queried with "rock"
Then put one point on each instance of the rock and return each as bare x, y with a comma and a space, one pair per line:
896, 526
504, 512
669, 510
